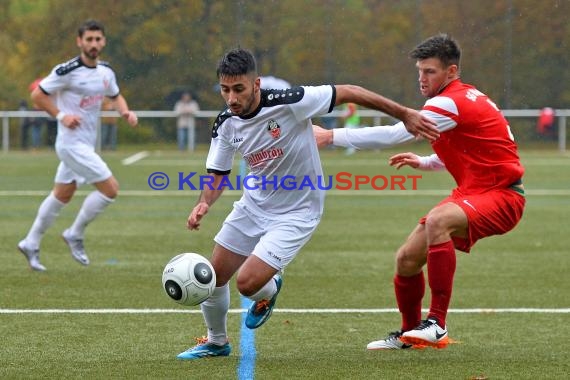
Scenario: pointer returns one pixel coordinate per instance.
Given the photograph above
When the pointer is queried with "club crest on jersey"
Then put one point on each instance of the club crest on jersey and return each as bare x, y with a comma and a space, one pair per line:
274, 129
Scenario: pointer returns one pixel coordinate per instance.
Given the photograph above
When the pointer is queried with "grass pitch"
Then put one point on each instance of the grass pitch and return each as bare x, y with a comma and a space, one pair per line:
113, 320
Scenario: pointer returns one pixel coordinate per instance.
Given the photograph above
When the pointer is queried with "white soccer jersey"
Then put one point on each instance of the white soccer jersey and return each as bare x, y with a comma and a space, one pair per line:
278, 145
79, 90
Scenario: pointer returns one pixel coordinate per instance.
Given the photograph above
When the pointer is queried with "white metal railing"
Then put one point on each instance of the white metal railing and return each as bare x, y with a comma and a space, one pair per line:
561, 116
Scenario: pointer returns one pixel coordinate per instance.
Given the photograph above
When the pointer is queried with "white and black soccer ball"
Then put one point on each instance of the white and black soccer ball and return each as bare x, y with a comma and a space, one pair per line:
189, 279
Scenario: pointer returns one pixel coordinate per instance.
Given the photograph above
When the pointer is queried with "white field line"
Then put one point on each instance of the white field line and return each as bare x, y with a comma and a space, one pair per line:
291, 311
367, 193
135, 157
189, 162
379, 162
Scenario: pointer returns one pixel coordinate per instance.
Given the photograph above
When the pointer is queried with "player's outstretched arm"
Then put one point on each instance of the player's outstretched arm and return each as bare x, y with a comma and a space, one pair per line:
420, 125
403, 159
416, 123
431, 162
323, 136
378, 137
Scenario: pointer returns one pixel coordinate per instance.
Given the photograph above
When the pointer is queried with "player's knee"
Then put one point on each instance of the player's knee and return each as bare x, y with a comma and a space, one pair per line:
64, 194
403, 264
113, 193
109, 188
408, 263
114, 189
64, 197
435, 223
246, 286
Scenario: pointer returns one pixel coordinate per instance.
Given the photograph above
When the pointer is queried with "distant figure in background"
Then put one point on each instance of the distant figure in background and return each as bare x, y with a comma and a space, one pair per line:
108, 127
185, 110
24, 125
329, 122
51, 128
36, 122
351, 120
50, 122
27, 124
545, 125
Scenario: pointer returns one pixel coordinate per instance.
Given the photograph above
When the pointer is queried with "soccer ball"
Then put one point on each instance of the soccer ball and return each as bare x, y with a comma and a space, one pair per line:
189, 279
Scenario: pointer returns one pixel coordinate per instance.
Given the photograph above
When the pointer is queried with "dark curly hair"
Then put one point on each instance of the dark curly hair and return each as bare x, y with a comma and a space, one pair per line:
236, 62
440, 46
90, 25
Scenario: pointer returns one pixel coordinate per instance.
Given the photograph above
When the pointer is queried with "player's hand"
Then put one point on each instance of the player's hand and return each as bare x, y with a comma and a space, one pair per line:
403, 159
196, 215
131, 118
420, 125
323, 136
71, 121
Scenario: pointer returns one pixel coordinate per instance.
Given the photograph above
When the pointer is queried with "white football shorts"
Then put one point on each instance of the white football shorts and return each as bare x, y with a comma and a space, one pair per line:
80, 164
275, 240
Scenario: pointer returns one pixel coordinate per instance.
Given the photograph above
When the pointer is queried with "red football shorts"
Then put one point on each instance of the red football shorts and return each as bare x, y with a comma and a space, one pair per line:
492, 213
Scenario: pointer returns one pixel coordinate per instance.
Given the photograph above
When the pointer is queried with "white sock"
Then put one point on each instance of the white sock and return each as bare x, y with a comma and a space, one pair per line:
48, 211
266, 292
92, 206
215, 311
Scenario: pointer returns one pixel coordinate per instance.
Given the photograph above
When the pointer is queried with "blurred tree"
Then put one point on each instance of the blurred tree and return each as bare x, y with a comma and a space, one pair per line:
515, 50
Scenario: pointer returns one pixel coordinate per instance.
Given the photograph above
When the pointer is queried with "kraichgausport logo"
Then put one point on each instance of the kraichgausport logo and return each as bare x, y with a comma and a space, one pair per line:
340, 181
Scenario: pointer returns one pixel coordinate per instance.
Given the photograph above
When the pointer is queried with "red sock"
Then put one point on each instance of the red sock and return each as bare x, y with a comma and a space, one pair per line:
409, 294
441, 262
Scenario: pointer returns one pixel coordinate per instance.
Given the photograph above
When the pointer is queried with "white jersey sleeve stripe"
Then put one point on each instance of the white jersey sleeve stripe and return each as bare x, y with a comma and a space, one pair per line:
444, 103
379, 137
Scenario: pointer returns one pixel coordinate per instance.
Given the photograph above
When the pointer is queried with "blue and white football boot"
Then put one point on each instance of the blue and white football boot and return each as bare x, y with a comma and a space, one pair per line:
260, 311
203, 349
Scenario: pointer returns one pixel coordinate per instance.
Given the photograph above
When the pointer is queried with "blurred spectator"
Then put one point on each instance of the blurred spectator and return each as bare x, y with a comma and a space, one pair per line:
351, 120
51, 127
545, 125
108, 127
34, 123
185, 109
51, 122
27, 123
329, 122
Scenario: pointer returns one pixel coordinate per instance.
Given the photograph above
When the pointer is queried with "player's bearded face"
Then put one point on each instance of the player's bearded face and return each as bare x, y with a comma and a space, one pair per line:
433, 76
241, 93
91, 44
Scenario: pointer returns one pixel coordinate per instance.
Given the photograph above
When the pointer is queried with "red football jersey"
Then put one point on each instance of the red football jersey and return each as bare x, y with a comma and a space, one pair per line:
479, 150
